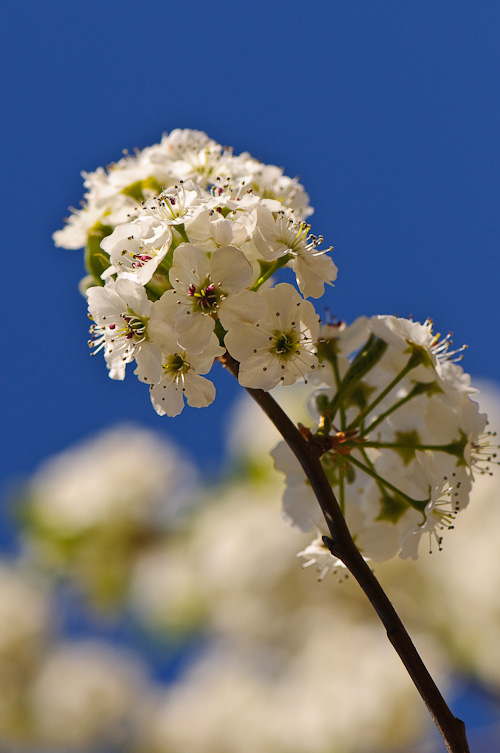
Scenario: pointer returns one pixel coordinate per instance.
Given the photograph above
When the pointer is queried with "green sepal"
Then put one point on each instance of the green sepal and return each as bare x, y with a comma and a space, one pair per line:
220, 332
157, 285
427, 388
360, 395
267, 269
328, 349
392, 507
458, 448
97, 260
419, 356
409, 442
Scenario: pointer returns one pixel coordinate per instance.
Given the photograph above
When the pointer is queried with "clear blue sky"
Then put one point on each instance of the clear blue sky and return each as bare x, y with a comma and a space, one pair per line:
387, 110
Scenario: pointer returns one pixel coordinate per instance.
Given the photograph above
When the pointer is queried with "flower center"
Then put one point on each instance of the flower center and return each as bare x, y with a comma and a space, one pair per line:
205, 297
134, 329
176, 366
285, 344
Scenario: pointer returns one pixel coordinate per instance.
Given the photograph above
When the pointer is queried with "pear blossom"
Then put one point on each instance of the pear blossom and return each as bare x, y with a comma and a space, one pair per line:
280, 347
202, 288
440, 512
318, 555
402, 437
211, 228
279, 234
121, 311
92, 710
136, 248
180, 377
176, 204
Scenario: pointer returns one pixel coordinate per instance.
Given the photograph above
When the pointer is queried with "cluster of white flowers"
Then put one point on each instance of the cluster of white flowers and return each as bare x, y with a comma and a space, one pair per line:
183, 242
400, 435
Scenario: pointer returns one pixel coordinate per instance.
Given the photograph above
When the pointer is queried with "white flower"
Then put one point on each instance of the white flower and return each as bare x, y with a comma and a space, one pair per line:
137, 248
280, 347
202, 287
204, 165
180, 377
301, 509
113, 196
121, 311
316, 553
440, 512
268, 181
212, 228
24, 618
176, 204
279, 234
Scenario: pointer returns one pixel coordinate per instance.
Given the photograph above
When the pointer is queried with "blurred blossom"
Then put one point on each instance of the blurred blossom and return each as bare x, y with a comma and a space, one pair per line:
165, 589
85, 694
93, 508
24, 615
289, 663
24, 629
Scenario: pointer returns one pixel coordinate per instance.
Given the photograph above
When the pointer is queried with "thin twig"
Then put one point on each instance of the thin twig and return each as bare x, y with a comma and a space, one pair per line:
342, 546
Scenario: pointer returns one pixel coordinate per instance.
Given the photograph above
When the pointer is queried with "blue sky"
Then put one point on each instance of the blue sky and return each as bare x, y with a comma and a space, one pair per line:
388, 112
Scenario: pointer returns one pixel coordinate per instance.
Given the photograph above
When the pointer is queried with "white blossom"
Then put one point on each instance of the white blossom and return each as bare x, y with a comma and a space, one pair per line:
180, 377
281, 346
137, 248
202, 288
121, 311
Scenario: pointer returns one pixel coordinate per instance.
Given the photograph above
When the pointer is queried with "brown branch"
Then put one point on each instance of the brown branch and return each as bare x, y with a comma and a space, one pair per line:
342, 546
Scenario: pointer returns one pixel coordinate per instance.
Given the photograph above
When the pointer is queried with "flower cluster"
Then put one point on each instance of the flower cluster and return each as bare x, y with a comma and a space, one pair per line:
183, 243
186, 248
399, 434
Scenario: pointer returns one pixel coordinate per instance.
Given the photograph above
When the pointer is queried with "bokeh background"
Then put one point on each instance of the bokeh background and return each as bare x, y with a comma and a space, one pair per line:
387, 111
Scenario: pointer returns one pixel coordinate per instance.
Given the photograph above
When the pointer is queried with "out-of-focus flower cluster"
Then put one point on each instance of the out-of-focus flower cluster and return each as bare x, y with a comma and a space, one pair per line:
93, 510
183, 241
284, 662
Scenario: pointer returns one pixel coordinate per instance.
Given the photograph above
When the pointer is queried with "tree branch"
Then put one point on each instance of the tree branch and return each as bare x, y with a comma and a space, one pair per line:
342, 546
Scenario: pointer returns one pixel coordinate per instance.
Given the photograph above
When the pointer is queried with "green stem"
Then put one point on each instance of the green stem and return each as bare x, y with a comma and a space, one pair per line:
388, 412
417, 504
281, 262
363, 362
453, 448
359, 419
336, 374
